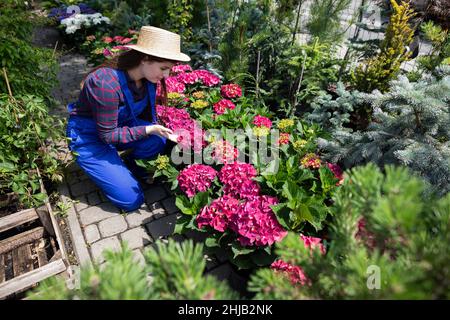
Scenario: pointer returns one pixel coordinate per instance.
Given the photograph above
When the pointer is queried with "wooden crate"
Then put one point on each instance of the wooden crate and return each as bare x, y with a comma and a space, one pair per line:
31, 250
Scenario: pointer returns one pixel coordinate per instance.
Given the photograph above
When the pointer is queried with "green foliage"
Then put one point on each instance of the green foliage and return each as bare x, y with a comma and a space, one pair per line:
410, 127
30, 70
339, 109
440, 54
16, 21
325, 20
180, 16
378, 71
381, 221
176, 272
26, 136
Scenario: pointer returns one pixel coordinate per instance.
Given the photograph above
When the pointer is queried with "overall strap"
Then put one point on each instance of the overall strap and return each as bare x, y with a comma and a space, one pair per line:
151, 90
126, 91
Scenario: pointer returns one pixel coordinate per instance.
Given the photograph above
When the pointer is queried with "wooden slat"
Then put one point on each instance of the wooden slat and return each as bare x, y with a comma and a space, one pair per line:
41, 255
28, 279
16, 241
56, 256
22, 261
2, 268
56, 228
18, 218
45, 219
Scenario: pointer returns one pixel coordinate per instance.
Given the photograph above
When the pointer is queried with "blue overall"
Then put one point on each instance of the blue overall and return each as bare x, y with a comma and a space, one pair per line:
101, 161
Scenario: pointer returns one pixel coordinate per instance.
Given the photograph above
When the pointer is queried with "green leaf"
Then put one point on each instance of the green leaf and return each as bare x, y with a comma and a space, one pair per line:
262, 258
282, 213
239, 250
212, 241
7, 167
183, 203
200, 200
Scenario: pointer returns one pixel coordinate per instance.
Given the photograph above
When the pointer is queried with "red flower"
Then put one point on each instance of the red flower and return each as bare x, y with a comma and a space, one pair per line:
125, 40
118, 38
107, 39
230, 91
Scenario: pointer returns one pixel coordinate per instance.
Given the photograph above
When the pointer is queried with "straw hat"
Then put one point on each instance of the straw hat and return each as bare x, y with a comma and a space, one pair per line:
159, 43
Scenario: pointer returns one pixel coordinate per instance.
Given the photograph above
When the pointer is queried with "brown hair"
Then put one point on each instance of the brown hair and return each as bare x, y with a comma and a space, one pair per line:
131, 59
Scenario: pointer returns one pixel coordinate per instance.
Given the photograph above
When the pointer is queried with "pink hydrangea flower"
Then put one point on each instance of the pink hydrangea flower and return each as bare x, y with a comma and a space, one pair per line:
311, 160
172, 85
223, 105
295, 273
364, 235
181, 68
237, 179
337, 171
118, 38
284, 138
107, 39
180, 122
196, 178
126, 40
256, 224
187, 78
224, 152
217, 215
231, 91
260, 121
313, 242
207, 78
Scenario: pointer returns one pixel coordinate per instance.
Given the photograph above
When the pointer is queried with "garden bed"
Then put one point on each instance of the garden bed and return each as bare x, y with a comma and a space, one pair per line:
31, 248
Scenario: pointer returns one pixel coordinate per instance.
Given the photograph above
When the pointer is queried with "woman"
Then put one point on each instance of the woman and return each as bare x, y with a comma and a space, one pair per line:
116, 111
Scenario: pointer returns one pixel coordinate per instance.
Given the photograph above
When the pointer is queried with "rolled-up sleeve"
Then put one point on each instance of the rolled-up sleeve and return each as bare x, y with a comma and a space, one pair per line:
102, 90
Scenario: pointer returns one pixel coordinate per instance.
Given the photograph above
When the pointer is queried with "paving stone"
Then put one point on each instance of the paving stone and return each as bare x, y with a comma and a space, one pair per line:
82, 187
211, 262
91, 233
99, 247
81, 203
178, 237
197, 236
93, 198
154, 193
222, 272
162, 227
138, 217
72, 178
98, 213
136, 238
112, 226
139, 257
157, 210
169, 205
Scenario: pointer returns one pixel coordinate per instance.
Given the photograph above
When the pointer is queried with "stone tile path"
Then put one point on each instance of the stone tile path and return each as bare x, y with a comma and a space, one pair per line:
95, 225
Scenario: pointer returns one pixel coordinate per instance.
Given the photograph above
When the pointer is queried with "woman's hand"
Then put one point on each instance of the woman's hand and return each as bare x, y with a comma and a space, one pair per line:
158, 130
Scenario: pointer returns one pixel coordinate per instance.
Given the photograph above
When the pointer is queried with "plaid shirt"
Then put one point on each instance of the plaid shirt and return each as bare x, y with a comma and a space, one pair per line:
100, 98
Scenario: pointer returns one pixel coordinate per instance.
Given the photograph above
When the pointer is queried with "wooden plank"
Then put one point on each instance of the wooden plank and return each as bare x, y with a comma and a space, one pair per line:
56, 256
2, 268
22, 261
16, 241
28, 279
45, 219
18, 218
41, 255
56, 227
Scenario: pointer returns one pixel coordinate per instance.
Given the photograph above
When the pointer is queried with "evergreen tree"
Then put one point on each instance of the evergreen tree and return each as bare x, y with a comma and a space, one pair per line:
171, 271
410, 126
387, 241
376, 72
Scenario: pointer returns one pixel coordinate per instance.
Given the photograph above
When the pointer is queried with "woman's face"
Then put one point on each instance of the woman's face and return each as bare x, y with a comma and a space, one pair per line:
154, 71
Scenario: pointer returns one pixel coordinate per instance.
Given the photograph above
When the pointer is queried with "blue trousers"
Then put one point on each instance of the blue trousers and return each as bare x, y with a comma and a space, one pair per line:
102, 163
